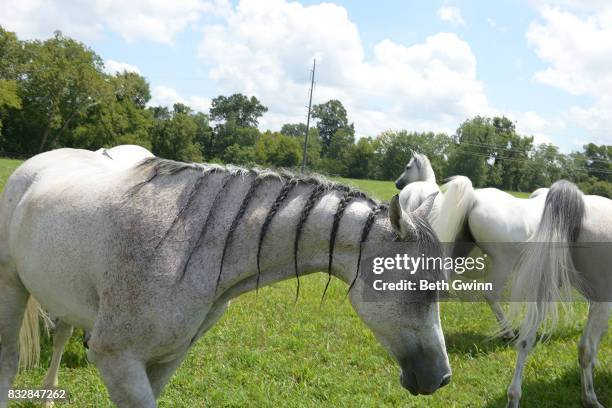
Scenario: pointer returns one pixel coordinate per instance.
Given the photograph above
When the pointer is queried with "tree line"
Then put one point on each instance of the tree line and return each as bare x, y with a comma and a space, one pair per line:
55, 93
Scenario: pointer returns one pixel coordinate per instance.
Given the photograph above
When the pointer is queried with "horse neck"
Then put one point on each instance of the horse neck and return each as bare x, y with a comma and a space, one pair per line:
278, 258
428, 174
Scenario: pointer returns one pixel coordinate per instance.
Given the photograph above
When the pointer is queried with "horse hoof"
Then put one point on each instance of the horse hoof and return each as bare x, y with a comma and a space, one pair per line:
512, 404
514, 397
591, 403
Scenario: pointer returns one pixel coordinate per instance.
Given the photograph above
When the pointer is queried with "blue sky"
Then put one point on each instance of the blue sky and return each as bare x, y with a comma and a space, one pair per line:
394, 64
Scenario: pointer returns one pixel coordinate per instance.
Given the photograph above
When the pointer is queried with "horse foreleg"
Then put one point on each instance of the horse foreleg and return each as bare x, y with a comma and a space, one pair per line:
160, 373
523, 348
125, 377
597, 325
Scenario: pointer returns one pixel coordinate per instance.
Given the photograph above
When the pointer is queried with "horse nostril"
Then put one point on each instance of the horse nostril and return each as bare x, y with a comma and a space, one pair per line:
446, 380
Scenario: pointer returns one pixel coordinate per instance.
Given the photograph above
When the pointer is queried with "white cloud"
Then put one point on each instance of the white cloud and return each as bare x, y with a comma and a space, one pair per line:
266, 48
451, 14
533, 124
166, 96
199, 103
578, 50
114, 67
154, 20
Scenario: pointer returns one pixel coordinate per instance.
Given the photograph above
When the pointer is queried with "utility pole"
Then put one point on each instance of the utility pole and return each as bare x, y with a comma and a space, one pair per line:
312, 76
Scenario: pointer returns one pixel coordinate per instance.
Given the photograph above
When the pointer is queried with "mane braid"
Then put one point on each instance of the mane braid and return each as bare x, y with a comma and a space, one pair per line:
344, 202
365, 231
315, 194
280, 198
160, 167
243, 206
192, 194
228, 177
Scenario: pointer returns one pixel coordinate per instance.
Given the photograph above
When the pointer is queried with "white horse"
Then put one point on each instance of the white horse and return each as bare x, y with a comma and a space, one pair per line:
486, 217
123, 157
147, 259
550, 267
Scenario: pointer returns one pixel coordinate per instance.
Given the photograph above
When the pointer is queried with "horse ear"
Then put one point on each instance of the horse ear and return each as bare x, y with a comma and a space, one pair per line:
395, 213
415, 156
425, 208
413, 152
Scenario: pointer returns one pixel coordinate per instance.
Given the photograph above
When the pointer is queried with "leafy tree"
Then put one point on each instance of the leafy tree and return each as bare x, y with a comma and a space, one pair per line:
599, 161
472, 152
295, 130
342, 140
597, 187
174, 134
123, 120
204, 134
314, 149
12, 55
8, 99
131, 87
394, 150
331, 116
277, 150
237, 108
236, 154
546, 165
228, 134
60, 79
360, 158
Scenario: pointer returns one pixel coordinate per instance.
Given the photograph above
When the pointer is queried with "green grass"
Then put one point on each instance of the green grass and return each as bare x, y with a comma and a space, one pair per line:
269, 351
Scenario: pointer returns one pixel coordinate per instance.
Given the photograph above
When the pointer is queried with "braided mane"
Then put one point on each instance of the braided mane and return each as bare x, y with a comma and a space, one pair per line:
154, 167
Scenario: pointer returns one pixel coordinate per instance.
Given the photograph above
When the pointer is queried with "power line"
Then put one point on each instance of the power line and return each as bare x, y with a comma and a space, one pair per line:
477, 144
529, 163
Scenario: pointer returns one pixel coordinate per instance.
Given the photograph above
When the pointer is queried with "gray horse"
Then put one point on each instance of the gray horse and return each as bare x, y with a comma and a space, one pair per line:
147, 259
550, 267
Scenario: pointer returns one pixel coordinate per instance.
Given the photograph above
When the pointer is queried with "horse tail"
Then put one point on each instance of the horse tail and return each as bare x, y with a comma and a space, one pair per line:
451, 214
29, 335
545, 271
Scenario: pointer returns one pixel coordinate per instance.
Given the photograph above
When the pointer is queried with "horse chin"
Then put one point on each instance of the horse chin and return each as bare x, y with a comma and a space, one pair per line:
409, 382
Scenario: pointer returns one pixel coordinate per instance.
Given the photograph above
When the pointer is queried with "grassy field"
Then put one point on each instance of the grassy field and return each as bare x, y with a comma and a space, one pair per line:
271, 351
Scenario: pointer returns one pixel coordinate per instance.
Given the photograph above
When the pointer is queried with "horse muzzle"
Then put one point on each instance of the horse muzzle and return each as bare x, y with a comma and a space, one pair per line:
420, 386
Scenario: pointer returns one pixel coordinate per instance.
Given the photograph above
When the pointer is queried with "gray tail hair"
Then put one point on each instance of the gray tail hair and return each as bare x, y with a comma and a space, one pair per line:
545, 273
